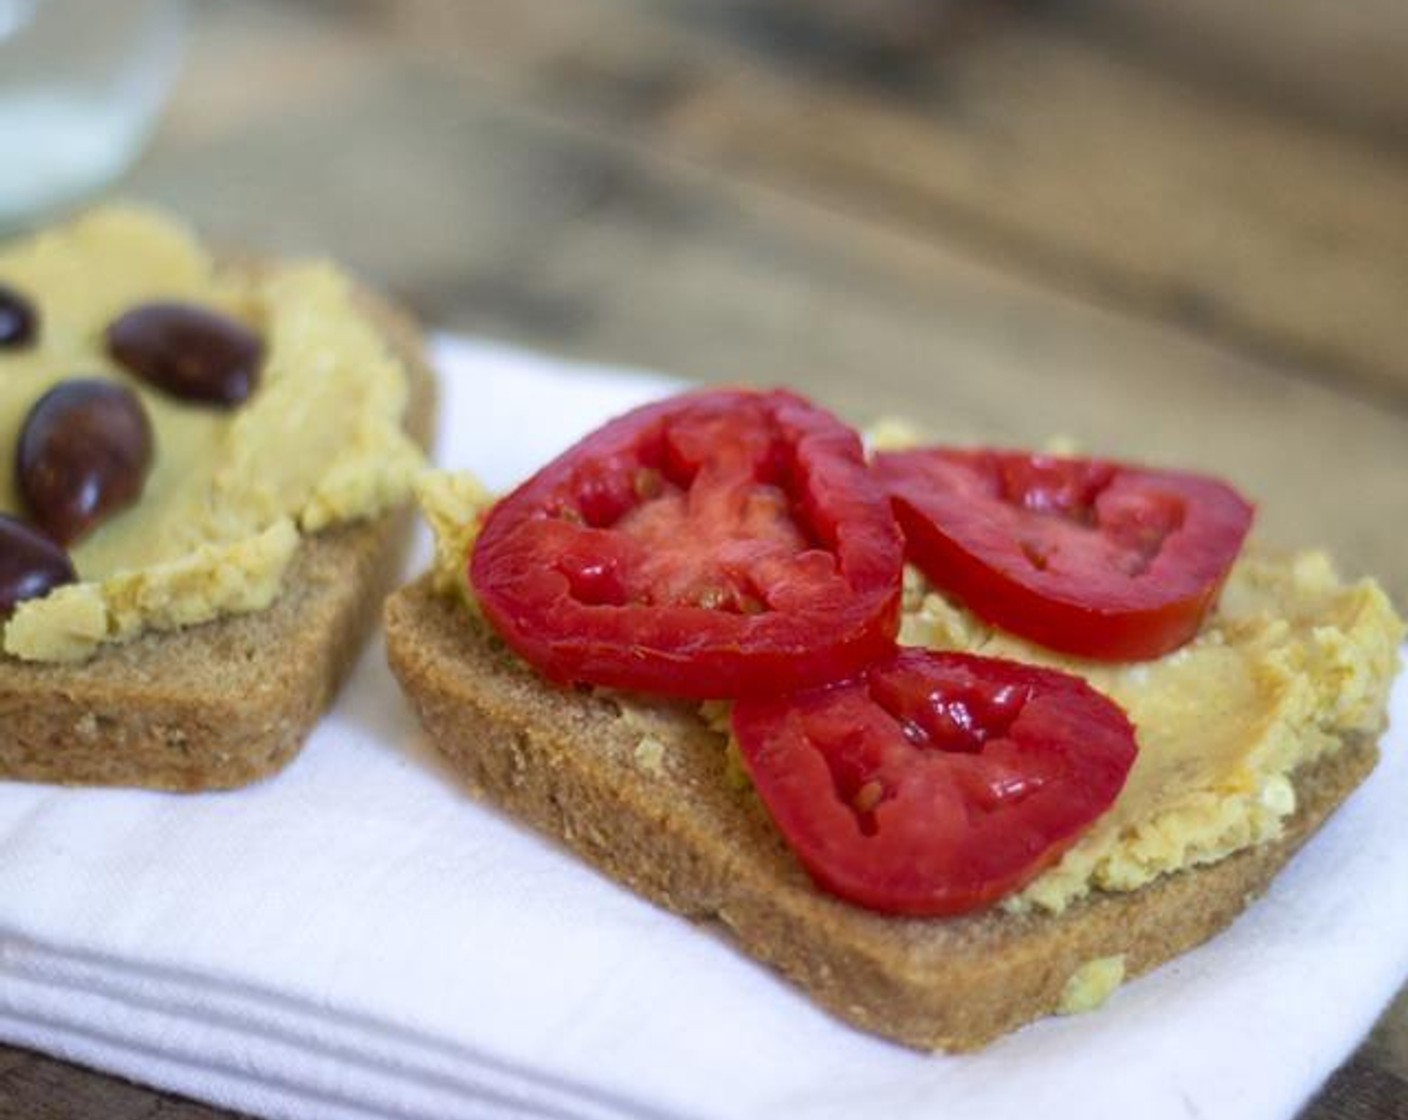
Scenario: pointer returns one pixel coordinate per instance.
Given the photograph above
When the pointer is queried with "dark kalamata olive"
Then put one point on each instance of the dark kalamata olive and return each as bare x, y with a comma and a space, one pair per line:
19, 321
31, 564
84, 453
190, 352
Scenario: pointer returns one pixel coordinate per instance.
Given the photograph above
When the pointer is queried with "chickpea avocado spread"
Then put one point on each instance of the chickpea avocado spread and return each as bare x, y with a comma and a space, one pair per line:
172, 424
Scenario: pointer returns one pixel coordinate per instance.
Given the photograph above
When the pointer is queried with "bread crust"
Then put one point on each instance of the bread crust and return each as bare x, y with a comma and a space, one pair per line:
230, 701
670, 824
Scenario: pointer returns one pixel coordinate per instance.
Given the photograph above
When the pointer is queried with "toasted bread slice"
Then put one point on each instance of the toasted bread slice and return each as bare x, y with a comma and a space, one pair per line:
661, 813
224, 703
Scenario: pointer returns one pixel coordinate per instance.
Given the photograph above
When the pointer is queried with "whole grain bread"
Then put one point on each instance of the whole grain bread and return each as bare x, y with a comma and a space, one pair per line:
658, 809
227, 702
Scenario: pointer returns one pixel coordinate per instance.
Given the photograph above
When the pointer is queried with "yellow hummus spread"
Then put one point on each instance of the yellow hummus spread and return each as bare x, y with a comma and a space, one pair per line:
1091, 985
1291, 660
319, 442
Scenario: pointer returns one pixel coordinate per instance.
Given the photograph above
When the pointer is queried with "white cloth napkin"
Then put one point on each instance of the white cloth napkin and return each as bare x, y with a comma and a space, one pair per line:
359, 938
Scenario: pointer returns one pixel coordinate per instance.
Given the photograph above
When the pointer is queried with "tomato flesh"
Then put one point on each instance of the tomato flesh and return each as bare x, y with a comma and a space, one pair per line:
1094, 558
713, 545
935, 783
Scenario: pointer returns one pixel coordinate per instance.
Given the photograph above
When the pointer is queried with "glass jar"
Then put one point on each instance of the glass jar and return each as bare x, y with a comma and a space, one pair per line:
82, 83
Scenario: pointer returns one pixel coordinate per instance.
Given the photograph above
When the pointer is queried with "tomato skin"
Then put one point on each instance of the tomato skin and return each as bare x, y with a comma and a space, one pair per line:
712, 545
935, 783
1094, 558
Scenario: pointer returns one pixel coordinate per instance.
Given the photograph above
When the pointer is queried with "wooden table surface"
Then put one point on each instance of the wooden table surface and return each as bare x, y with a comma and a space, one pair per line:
1177, 235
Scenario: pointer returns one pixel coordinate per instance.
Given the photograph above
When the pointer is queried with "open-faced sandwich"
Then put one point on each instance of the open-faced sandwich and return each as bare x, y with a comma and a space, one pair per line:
202, 460
952, 739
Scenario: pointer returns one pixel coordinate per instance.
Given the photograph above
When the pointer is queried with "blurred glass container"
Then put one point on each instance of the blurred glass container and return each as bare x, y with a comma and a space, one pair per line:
81, 85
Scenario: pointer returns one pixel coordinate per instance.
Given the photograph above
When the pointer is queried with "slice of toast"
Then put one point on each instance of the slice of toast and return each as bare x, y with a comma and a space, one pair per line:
227, 702
660, 811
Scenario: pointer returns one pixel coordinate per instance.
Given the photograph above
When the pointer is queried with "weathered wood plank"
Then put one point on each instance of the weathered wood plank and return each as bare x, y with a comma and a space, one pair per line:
1360, 1090
36, 1087
1340, 63
1033, 145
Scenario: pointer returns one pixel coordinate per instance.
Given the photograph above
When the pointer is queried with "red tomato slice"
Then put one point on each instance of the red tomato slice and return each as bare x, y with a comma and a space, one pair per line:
935, 783
711, 545
1093, 558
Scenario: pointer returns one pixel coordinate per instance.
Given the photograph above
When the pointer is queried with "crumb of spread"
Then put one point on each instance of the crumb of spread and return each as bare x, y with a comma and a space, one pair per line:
320, 441
652, 718
716, 714
452, 504
1091, 985
650, 754
891, 434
